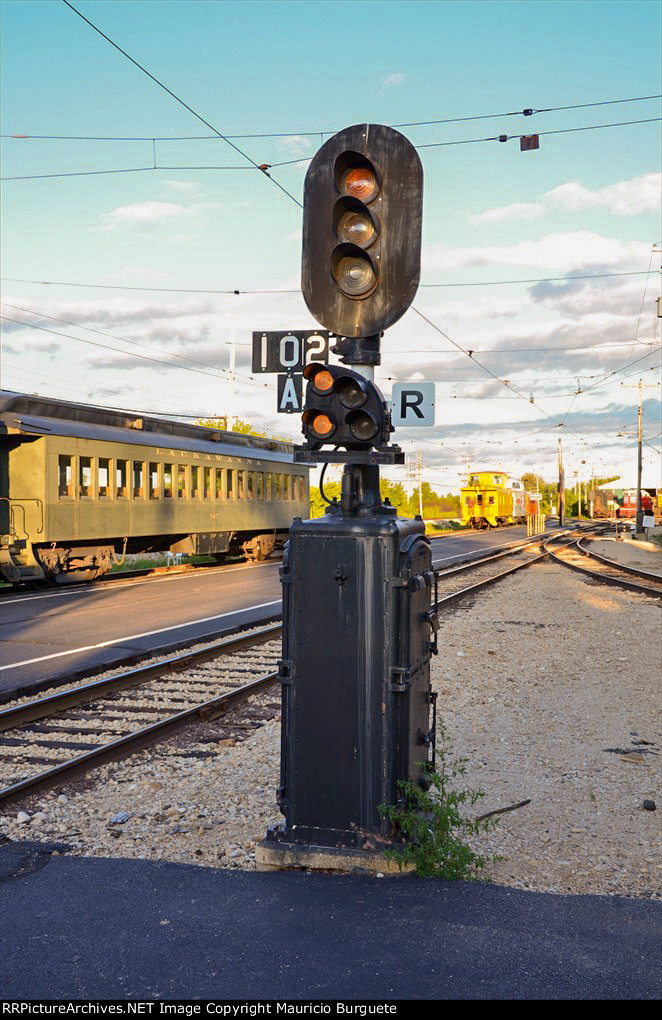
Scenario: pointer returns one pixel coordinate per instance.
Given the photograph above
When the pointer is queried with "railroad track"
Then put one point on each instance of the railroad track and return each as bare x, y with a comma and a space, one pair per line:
576, 555
51, 740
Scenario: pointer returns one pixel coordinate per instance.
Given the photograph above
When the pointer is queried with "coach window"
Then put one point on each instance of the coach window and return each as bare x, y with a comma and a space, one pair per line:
122, 479
293, 486
250, 485
65, 477
104, 478
207, 484
219, 490
260, 485
182, 481
268, 492
85, 489
276, 489
231, 485
195, 483
167, 481
241, 485
138, 479
302, 488
154, 487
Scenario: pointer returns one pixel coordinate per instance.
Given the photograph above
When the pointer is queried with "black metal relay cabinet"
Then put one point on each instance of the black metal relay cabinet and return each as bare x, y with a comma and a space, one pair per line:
355, 672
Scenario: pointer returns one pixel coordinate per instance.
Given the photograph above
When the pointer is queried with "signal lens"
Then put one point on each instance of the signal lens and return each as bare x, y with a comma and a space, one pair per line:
322, 381
350, 392
322, 425
361, 183
363, 426
356, 228
355, 275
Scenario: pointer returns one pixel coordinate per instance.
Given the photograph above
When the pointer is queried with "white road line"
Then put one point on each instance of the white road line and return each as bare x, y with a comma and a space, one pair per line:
119, 586
133, 637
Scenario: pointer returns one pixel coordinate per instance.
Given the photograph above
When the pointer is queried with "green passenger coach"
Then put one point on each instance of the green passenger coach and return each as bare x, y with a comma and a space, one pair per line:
82, 485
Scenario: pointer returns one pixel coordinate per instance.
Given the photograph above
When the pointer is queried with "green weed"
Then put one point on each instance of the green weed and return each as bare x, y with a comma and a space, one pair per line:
431, 826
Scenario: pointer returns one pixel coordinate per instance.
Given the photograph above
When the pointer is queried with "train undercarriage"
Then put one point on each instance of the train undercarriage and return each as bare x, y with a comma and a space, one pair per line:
22, 562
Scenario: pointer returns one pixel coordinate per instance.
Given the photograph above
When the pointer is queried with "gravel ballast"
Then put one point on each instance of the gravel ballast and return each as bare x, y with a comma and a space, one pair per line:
548, 684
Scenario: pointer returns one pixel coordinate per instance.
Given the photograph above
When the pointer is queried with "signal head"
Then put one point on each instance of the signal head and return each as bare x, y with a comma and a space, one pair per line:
362, 222
343, 409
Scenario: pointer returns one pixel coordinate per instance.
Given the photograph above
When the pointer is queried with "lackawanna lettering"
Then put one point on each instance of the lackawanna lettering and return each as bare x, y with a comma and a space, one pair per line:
197, 456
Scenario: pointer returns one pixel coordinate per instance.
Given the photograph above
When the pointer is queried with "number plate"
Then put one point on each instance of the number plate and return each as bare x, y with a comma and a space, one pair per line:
289, 351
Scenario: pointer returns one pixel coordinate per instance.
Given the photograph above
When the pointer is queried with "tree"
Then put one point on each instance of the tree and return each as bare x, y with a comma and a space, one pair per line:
317, 503
243, 427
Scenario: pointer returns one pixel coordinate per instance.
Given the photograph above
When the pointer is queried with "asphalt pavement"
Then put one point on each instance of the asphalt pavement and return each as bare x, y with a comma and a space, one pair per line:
88, 928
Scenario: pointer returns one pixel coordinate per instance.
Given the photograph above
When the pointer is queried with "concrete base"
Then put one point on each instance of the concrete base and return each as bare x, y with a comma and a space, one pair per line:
272, 855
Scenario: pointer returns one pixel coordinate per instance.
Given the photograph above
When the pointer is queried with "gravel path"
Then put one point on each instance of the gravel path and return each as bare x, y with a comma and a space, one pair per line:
548, 684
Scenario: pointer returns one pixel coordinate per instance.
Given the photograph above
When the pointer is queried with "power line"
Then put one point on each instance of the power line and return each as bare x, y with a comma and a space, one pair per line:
526, 350
559, 131
509, 385
297, 290
123, 339
181, 102
265, 167
527, 112
132, 354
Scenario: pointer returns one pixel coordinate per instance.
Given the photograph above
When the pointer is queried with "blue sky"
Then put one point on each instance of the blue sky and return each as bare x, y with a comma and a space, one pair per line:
585, 204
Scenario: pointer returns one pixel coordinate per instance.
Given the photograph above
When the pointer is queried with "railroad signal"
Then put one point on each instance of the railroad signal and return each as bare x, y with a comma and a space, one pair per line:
363, 200
343, 408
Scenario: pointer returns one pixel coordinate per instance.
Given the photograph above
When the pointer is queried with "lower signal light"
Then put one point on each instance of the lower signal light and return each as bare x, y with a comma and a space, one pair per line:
321, 425
362, 425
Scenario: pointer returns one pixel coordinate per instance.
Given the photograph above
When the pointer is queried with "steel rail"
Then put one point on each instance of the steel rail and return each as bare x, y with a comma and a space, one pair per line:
539, 540
618, 582
448, 571
41, 708
650, 575
456, 595
126, 745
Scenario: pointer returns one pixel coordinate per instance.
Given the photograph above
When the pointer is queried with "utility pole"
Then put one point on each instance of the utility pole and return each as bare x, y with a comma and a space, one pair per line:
561, 488
639, 519
639, 527
420, 487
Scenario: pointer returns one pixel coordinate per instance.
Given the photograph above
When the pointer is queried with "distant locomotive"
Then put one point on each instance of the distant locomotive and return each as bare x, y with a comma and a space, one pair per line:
81, 484
628, 508
491, 499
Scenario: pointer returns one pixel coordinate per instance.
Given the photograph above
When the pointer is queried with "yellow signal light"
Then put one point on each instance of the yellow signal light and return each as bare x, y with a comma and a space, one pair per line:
360, 183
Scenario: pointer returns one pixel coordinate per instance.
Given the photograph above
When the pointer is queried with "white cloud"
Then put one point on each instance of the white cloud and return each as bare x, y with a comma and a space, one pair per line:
625, 198
564, 251
515, 211
143, 214
394, 78
297, 145
186, 187
151, 213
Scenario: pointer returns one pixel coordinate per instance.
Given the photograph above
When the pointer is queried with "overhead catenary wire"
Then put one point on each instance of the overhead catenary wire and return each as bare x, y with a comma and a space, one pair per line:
131, 354
297, 290
123, 339
182, 103
526, 112
266, 166
509, 385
